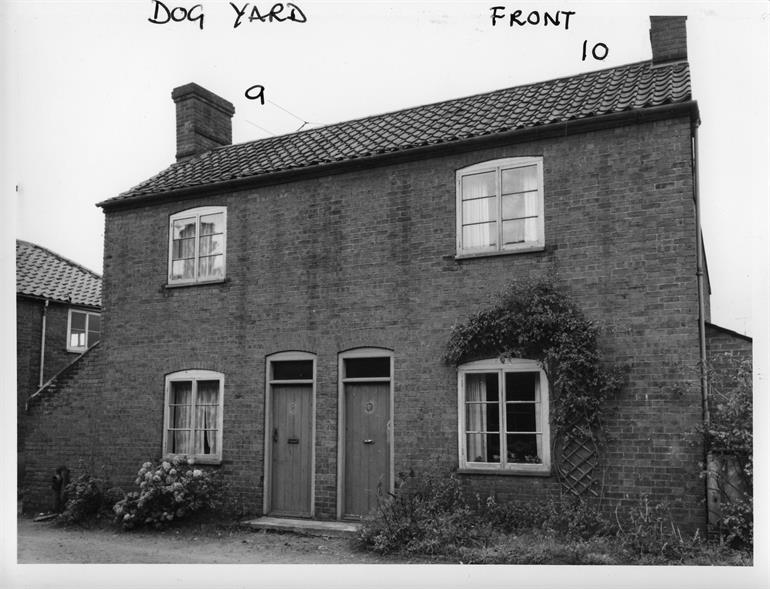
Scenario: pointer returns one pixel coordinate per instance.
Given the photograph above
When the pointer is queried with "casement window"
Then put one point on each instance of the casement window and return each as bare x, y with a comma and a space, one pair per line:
196, 249
193, 415
83, 330
503, 416
500, 206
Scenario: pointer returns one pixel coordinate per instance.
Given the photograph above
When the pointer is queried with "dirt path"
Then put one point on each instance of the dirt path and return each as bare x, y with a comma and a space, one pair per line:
44, 542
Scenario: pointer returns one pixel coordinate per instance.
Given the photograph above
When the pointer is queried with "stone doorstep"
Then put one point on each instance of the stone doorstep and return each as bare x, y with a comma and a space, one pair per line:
310, 527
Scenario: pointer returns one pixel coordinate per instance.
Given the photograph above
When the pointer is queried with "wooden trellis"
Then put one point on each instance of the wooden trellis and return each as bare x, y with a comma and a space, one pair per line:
577, 461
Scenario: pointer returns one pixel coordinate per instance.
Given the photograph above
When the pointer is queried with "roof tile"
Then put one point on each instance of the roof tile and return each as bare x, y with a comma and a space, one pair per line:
42, 273
633, 86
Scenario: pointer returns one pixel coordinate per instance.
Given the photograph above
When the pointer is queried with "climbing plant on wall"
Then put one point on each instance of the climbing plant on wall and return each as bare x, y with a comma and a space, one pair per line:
539, 321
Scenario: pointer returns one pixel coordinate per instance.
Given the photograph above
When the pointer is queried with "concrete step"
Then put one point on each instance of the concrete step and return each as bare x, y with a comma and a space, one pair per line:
309, 527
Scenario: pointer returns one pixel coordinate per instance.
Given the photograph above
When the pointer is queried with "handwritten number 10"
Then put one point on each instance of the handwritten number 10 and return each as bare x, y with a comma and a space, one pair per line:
599, 51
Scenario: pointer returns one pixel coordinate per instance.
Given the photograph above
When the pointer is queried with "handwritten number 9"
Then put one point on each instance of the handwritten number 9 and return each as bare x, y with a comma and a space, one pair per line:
256, 92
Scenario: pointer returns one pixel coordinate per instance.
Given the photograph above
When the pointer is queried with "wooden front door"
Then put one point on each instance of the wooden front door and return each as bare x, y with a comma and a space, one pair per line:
292, 448
367, 447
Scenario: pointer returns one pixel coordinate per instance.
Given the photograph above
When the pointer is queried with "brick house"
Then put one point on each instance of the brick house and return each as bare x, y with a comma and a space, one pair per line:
58, 305
279, 309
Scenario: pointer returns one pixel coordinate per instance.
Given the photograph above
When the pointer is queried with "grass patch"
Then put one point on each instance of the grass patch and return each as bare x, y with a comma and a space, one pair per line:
429, 516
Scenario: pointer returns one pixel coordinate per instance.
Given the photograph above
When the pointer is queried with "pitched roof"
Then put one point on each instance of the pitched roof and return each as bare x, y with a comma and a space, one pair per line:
614, 90
42, 273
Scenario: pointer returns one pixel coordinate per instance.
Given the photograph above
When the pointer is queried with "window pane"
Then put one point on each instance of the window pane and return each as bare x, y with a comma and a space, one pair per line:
184, 228
206, 442
292, 370
519, 179
516, 206
214, 223
182, 269
77, 339
367, 367
211, 244
94, 323
478, 185
483, 234
520, 417
514, 231
479, 210
211, 267
481, 387
181, 394
524, 448
78, 321
482, 448
180, 418
521, 386
180, 442
482, 417
183, 248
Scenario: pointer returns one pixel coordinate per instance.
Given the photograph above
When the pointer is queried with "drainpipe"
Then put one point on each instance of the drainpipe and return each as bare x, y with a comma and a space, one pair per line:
42, 345
699, 274
706, 416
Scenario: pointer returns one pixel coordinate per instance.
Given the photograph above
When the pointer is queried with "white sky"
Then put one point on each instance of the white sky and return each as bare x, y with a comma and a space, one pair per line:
88, 87
87, 111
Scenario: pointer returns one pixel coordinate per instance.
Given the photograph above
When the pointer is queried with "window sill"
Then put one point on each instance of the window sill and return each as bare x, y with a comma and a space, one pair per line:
519, 472
200, 283
206, 460
521, 250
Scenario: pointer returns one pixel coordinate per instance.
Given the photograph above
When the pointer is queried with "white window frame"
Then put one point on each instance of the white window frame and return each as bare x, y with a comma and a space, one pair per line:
88, 314
502, 367
195, 376
197, 213
498, 165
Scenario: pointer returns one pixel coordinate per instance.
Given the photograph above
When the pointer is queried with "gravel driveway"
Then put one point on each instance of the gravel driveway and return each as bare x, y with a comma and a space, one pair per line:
44, 542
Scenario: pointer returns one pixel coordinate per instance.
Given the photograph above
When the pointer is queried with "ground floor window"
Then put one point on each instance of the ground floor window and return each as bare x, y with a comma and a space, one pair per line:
193, 415
503, 416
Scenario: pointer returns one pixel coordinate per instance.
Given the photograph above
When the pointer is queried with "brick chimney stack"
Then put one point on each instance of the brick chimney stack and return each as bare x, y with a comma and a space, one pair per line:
203, 121
668, 37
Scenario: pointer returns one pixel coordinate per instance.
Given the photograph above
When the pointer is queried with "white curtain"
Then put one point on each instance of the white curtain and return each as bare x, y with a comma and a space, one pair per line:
206, 422
181, 418
530, 210
479, 210
476, 417
538, 420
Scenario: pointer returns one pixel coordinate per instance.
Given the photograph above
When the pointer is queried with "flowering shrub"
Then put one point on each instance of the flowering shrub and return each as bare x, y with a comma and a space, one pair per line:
168, 491
85, 498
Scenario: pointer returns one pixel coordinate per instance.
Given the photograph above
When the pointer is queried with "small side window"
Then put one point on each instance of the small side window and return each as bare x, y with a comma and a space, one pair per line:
83, 330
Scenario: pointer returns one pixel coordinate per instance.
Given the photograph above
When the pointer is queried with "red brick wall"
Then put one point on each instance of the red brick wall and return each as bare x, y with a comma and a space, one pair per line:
29, 316
366, 258
62, 430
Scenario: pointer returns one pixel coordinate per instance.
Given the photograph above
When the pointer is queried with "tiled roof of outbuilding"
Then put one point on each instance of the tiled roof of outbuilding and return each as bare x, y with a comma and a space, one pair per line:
42, 273
614, 90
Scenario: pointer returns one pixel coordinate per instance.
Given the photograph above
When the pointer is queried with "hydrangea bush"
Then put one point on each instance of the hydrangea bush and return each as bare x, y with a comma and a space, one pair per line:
167, 492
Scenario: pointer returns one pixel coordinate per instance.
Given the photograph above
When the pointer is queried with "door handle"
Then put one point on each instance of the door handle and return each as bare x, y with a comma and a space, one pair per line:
368, 441
275, 434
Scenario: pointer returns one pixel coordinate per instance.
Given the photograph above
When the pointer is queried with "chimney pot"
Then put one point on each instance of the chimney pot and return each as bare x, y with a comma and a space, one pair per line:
668, 38
203, 121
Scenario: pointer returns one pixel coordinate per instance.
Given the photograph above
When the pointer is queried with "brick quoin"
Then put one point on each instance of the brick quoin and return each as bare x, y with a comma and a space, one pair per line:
366, 259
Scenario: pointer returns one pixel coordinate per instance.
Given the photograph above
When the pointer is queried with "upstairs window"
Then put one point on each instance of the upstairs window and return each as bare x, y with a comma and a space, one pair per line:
503, 411
193, 415
197, 246
83, 330
500, 206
